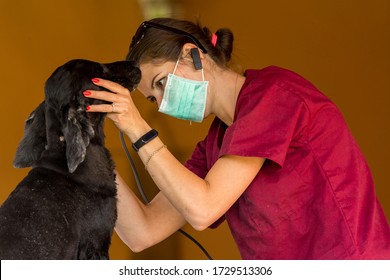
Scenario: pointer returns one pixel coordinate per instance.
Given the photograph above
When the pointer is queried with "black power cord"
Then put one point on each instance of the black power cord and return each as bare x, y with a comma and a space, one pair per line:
146, 200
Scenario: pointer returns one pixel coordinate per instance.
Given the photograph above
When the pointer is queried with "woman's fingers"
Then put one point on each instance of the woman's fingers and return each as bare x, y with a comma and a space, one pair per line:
111, 86
121, 108
117, 95
101, 95
105, 96
115, 91
103, 108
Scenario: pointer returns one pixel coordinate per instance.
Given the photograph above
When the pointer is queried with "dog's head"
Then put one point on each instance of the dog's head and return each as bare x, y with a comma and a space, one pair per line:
61, 121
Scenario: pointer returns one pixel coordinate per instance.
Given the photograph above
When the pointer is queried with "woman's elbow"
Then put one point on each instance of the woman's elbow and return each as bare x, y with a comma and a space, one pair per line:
136, 246
199, 227
201, 221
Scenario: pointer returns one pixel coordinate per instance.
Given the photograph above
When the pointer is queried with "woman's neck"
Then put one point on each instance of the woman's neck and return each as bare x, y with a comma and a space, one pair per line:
225, 90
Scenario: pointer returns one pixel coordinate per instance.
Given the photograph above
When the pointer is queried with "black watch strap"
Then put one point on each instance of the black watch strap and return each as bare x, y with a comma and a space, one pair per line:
149, 136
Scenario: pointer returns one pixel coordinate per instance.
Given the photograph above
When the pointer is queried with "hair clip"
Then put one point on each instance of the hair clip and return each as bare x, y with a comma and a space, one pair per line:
214, 39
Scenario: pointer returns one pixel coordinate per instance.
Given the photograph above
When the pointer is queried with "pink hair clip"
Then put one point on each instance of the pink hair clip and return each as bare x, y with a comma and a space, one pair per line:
214, 39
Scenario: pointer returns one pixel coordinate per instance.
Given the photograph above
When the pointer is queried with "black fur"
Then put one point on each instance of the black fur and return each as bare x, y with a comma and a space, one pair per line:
65, 208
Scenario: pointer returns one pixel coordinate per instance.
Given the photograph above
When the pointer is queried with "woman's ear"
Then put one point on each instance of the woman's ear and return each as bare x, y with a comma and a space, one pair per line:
195, 53
196, 58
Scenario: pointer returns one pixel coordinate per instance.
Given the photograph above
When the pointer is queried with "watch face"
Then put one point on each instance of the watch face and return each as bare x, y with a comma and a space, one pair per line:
149, 136
145, 139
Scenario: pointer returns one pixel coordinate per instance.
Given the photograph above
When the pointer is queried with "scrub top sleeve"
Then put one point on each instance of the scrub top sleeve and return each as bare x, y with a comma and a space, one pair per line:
197, 163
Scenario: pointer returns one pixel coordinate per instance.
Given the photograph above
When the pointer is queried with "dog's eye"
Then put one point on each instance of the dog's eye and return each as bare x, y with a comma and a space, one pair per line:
151, 99
30, 119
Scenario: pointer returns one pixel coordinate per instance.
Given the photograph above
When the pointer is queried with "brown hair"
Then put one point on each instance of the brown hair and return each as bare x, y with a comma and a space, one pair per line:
161, 45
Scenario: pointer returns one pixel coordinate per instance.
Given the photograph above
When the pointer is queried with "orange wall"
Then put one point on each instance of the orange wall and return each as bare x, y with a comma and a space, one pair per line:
342, 49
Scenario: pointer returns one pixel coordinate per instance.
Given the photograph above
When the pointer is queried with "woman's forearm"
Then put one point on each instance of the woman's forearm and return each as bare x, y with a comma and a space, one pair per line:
200, 201
141, 226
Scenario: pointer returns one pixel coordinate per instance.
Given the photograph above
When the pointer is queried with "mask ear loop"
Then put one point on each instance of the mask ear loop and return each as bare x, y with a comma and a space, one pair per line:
174, 70
177, 63
203, 81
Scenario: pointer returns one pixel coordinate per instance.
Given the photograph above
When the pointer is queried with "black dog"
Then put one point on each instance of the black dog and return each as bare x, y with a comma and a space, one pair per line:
65, 208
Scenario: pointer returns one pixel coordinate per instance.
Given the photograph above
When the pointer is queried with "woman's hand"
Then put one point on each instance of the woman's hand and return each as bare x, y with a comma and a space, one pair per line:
122, 111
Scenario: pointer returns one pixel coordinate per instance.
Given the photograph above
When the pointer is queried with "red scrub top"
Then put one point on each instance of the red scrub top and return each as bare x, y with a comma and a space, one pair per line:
314, 197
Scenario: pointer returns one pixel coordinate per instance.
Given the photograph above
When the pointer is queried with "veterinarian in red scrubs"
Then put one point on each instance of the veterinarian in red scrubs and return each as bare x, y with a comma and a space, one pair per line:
279, 163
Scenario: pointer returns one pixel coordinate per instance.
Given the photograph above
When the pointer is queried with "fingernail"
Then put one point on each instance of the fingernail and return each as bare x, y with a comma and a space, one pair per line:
87, 93
95, 80
88, 108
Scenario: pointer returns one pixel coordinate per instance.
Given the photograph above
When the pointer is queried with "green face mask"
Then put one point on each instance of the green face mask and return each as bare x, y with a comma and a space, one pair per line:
184, 98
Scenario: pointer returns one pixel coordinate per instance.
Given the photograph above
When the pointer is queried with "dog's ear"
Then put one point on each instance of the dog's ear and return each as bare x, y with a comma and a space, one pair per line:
77, 132
34, 140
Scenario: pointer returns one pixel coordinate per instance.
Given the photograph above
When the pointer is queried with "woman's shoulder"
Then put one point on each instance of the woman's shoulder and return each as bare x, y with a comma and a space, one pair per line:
273, 80
274, 75
275, 85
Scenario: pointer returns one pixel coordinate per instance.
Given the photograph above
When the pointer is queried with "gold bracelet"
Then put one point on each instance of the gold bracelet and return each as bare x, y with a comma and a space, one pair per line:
152, 154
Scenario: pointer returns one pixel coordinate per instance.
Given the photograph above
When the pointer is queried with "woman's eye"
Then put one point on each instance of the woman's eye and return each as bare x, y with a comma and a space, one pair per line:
160, 83
151, 99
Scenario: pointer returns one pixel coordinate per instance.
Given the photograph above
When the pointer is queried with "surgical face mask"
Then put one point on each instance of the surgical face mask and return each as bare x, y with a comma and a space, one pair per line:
184, 98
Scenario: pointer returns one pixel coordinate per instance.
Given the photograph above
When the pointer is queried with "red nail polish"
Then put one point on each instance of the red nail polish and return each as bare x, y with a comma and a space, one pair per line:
88, 108
95, 80
87, 93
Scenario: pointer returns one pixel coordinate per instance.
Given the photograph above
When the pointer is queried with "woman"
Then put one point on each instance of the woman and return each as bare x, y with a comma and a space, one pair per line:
278, 163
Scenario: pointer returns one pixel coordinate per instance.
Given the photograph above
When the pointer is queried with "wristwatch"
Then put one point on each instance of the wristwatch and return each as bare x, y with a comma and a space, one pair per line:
145, 139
